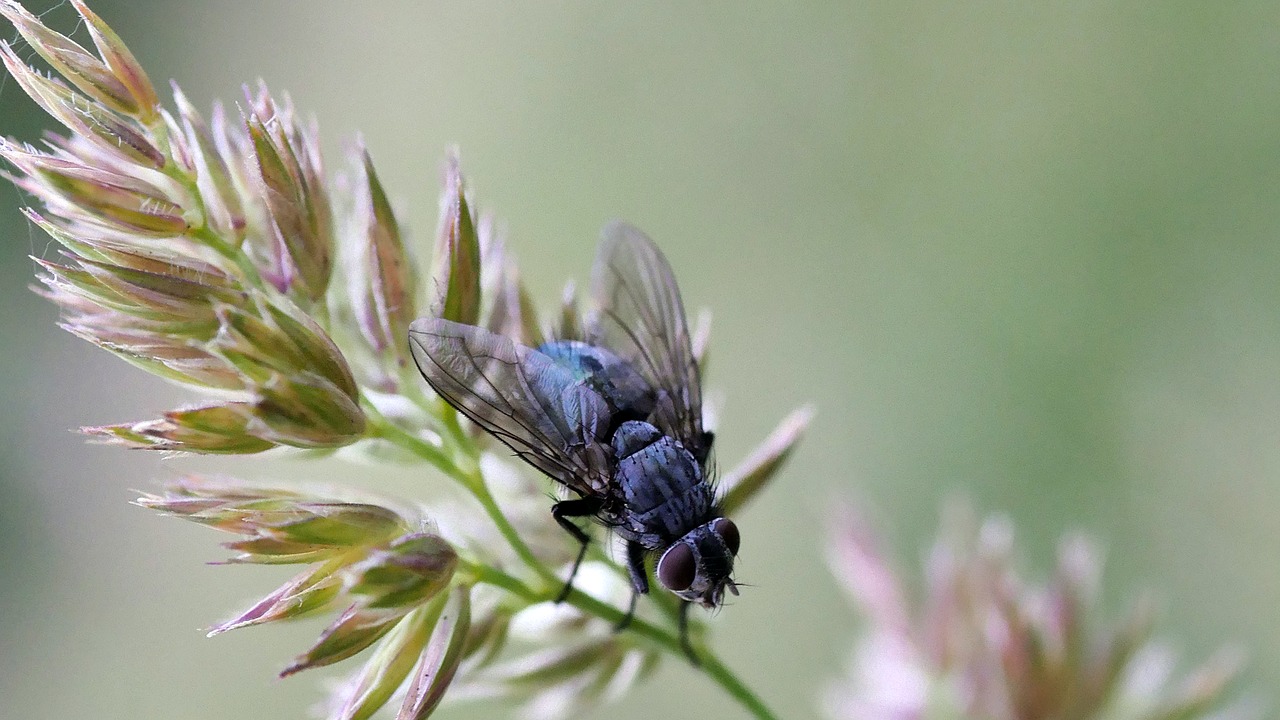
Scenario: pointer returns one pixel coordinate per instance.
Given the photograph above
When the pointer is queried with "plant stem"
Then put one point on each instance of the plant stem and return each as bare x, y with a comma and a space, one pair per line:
709, 662
231, 251
473, 480
248, 272
731, 684
513, 538
381, 427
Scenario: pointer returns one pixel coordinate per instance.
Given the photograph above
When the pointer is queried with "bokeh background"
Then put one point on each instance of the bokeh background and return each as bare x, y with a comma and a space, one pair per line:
1021, 253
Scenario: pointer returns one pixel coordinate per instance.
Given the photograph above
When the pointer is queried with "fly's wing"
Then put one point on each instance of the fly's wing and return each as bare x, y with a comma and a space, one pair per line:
551, 420
640, 317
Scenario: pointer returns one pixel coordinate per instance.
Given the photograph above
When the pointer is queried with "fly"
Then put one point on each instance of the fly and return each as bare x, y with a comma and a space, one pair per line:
615, 417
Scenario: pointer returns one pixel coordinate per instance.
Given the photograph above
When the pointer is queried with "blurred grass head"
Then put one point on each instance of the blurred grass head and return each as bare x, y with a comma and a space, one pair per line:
981, 641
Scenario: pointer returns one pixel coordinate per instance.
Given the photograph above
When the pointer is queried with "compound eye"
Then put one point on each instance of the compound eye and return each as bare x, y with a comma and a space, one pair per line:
676, 568
728, 532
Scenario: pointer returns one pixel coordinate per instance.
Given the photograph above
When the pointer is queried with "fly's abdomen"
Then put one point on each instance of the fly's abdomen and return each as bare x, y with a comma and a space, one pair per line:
661, 486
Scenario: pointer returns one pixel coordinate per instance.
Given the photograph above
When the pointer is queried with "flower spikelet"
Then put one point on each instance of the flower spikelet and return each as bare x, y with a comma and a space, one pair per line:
198, 251
393, 582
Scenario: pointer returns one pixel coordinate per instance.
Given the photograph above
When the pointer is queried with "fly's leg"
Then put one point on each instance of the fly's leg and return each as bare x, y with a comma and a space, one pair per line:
562, 511
684, 635
639, 581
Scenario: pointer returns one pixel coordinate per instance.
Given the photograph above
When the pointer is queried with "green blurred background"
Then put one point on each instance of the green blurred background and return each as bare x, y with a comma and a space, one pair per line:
1015, 251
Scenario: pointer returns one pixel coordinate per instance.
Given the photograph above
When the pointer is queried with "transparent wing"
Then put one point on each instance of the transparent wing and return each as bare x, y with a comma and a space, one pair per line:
549, 418
640, 317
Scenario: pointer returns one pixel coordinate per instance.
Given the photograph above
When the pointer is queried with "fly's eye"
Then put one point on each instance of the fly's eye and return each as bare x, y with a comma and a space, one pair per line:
676, 568
728, 532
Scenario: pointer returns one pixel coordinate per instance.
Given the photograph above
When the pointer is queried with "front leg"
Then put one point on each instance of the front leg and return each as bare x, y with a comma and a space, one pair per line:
562, 511
639, 580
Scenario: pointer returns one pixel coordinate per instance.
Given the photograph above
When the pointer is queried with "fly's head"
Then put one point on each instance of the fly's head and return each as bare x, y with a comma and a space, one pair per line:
699, 566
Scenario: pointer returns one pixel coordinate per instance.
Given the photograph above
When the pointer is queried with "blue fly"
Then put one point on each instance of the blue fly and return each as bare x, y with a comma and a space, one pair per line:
614, 416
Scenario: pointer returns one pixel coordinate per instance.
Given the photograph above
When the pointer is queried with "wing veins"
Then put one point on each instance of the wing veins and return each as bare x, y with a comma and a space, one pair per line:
509, 412
507, 437
620, 283
537, 448
661, 372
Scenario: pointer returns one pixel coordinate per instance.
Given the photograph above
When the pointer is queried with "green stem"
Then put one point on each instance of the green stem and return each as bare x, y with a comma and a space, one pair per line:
251, 276
730, 683
248, 272
381, 427
456, 435
470, 478
709, 662
512, 537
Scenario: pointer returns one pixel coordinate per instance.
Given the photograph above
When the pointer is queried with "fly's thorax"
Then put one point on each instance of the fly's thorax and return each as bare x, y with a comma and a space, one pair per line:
659, 486
699, 566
